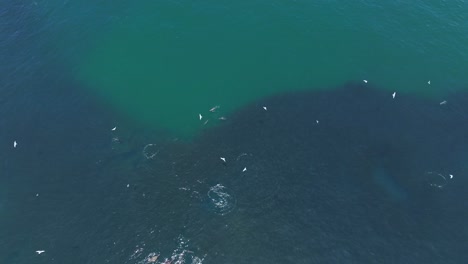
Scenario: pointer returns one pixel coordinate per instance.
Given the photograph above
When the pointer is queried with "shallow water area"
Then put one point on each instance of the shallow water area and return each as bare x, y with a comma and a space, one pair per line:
164, 63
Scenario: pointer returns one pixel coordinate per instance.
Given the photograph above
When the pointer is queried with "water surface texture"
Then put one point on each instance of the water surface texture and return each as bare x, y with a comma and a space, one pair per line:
337, 132
165, 62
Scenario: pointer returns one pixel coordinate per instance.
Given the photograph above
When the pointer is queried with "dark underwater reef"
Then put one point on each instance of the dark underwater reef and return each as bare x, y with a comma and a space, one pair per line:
349, 175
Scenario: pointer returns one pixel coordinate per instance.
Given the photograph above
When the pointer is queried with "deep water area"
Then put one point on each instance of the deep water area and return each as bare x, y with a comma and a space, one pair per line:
344, 175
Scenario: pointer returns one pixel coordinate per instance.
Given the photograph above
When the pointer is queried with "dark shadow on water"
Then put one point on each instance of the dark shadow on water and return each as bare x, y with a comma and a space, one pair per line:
348, 175
342, 176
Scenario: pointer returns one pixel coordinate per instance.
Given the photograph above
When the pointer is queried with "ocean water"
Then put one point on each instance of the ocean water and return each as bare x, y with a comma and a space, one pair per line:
178, 59
233, 132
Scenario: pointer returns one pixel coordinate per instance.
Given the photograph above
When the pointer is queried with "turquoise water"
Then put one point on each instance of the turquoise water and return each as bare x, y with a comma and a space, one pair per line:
164, 62
114, 165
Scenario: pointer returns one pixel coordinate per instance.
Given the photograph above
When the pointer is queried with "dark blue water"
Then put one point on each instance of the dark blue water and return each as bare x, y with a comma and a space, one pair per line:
369, 183
349, 175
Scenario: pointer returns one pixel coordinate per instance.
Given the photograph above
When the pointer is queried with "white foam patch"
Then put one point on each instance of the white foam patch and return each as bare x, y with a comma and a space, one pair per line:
223, 202
180, 255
